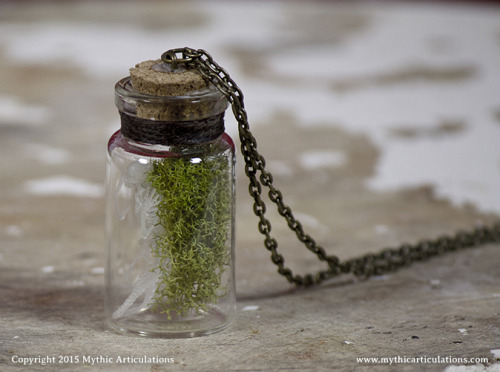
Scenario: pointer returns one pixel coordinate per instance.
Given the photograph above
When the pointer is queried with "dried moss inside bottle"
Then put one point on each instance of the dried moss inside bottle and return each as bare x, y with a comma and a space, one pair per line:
169, 206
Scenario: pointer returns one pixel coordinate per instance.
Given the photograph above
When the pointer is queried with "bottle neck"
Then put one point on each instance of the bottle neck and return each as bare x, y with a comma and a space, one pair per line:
172, 133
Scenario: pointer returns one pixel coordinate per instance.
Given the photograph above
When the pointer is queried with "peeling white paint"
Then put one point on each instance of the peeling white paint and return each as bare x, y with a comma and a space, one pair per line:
322, 159
63, 185
13, 111
311, 222
463, 168
97, 270
47, 154
435, 283
382, 229
496, 353
48, 269
13, 230
463, 331
279, 168
473, 368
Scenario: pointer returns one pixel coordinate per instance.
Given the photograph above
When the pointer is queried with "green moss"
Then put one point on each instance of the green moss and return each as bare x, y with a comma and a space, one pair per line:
193, 249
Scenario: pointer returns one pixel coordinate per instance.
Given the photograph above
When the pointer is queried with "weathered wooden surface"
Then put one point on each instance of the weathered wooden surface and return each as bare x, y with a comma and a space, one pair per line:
330, 133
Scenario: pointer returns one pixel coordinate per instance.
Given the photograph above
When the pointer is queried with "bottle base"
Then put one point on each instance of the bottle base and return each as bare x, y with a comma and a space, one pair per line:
158, 326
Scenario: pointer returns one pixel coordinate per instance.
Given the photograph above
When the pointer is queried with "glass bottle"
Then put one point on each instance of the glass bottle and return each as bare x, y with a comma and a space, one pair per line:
169, 206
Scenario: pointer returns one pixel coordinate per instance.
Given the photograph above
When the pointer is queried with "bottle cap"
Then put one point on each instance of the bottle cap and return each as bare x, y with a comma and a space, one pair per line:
156, 78
160, 104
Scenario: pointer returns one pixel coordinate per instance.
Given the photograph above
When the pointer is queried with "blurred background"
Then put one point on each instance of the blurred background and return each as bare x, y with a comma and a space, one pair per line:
379, 119
369, 100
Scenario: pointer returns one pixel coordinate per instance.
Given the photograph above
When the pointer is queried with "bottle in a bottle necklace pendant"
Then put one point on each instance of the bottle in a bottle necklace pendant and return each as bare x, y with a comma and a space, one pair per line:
169, 206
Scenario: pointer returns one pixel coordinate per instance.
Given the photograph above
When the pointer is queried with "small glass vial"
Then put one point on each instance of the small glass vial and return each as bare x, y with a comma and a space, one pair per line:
169, 206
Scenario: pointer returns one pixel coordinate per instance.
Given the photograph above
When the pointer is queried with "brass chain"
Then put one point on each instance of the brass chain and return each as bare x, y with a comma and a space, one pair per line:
385, 261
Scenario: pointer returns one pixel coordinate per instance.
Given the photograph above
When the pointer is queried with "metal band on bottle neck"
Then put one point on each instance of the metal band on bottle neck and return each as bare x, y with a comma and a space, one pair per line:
172, 133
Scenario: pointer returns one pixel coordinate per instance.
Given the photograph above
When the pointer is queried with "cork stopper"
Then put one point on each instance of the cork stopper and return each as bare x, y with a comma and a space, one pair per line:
154, 91
162, 105
158, 79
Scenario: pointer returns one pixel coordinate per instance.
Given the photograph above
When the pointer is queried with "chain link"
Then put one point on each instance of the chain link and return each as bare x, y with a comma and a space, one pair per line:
385, 261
